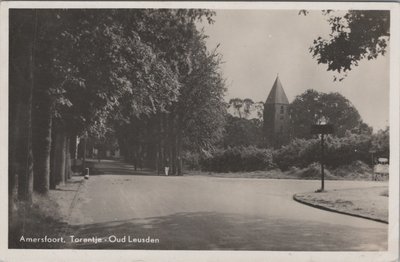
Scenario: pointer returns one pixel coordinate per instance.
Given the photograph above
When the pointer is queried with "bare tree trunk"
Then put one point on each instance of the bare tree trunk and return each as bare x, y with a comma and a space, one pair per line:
74, 147
173, 154
42, 142
84, 154
171, 157
158, 166
67, 159
59, 168
179, 153
53, 159
22, 28
14, 134
24, 157
73, 152
163, 159
24, 169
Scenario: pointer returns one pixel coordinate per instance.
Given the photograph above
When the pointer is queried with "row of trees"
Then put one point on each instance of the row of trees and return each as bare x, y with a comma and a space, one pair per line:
145, 75
194, 120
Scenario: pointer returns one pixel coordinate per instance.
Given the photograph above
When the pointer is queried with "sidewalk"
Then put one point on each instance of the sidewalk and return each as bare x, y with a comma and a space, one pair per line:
65, 196
370, 203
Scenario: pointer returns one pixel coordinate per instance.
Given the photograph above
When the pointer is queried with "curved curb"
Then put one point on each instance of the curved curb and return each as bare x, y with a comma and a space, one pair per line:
337, 211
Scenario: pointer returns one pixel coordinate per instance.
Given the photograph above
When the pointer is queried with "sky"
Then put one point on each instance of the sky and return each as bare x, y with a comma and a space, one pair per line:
256, 45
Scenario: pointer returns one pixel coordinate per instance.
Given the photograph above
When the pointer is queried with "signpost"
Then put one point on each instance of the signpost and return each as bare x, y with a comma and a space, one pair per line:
322, 129
372, 152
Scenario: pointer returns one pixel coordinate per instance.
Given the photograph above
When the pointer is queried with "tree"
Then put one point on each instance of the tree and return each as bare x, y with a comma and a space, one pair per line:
83, 64
381, 143
236, 104
247, 107
243, 107
354, 36
119, 74
22, 39
84, 71
22, 46
242, 132
195, 119
309, 107
259, 108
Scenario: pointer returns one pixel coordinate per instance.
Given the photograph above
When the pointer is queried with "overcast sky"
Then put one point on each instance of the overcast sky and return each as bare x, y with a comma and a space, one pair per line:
257, 45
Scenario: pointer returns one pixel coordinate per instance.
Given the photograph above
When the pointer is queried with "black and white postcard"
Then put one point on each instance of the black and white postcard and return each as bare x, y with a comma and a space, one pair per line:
199, 131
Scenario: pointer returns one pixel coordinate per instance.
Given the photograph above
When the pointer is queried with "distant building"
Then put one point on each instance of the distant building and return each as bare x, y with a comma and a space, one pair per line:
276, 116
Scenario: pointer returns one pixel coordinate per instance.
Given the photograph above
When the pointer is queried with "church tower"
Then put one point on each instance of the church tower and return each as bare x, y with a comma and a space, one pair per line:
276, 116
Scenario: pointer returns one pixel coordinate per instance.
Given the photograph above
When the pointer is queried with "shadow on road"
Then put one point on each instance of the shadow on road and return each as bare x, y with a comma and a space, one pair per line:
114, 167
212, 230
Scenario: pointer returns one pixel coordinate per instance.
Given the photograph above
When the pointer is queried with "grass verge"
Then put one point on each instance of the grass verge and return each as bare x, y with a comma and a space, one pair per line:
370, 203
47, 216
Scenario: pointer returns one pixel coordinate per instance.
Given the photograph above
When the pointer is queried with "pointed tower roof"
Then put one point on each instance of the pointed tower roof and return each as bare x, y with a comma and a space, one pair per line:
277, 94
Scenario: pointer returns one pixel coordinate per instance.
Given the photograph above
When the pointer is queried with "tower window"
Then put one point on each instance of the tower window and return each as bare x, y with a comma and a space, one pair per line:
282, 110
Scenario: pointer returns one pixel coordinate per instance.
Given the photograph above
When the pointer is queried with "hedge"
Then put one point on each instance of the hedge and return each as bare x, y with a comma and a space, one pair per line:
235, 159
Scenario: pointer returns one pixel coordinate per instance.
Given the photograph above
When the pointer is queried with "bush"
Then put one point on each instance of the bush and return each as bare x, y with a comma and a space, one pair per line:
191, 160
355, 169
298, 153
235, 159
313, 171
338, 151
346, 150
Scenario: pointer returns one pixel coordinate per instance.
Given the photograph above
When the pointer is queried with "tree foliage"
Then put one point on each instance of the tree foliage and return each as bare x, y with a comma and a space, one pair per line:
242, 132
243, 108
93, 72
99, 64
355, 35
237, 105
381, 143
194, 120
307, 108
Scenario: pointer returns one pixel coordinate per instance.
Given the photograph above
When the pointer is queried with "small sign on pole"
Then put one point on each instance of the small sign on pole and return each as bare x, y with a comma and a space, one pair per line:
322, 129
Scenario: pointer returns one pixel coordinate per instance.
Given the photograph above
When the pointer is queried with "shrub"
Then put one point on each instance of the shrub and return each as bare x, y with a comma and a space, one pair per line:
313, 171
191, 160
298, 153
235, 159
338, 151
355, 169
346, 150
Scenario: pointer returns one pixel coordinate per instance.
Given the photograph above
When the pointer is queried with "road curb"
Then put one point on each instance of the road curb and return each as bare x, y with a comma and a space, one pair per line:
295, 198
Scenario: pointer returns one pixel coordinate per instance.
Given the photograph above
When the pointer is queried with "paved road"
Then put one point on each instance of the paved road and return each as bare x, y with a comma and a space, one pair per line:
196, 212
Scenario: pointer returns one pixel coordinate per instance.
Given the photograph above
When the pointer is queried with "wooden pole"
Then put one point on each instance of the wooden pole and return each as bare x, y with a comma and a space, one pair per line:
322, 164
